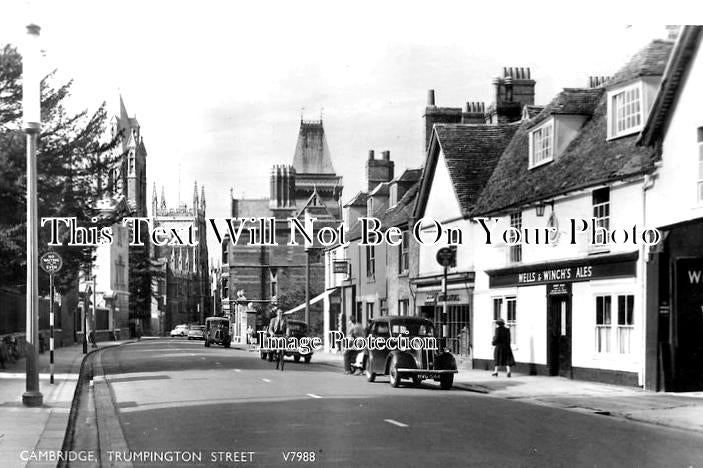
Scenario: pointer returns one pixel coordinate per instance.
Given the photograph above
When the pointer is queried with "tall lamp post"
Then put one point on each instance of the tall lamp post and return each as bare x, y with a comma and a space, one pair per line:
31, 107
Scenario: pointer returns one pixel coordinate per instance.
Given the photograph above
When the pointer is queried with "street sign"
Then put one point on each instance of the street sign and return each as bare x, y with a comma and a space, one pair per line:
51, 262
340, 266
446, 256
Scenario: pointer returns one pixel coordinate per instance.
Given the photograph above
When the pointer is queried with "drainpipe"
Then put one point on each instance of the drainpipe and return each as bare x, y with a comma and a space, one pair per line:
647, 184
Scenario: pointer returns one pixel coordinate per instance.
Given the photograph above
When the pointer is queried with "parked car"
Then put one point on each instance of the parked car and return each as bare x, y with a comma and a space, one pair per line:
217, 332
296, 329
180, 330
410, 363
196, 332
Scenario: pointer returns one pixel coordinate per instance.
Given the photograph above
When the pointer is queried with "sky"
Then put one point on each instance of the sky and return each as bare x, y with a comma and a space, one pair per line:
219, 87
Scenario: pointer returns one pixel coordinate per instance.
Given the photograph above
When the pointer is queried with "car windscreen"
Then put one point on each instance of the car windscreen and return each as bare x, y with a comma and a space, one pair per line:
412, 329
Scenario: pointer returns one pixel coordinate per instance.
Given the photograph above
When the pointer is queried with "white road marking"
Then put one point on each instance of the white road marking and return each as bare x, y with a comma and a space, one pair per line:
266, 380
237, 370
202, 358
395, 423
312, 395
218, 362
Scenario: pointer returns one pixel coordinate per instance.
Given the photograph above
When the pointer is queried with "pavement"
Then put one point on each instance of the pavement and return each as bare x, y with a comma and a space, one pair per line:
675, 410
25, 433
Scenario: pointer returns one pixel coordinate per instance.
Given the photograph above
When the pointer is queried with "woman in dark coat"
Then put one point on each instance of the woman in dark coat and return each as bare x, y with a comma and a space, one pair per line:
502, 354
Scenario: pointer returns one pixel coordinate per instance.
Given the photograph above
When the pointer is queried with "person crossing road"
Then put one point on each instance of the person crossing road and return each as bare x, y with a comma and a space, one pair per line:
278, 327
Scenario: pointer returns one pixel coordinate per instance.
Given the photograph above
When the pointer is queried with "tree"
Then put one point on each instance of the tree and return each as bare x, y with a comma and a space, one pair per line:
294, 297
73, 159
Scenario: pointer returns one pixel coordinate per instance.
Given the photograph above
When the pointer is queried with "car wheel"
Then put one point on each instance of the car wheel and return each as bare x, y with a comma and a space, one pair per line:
296, 358
394, 374
417, 381
307, 358
446, 381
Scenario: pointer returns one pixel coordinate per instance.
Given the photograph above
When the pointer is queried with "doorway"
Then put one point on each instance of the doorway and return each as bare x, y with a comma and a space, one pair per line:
559, 329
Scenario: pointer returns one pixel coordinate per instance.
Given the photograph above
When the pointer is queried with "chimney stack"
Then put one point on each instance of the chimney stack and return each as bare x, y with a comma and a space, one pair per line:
597, 81
379, 170
430, 98
434, 114
514, 90
475, 113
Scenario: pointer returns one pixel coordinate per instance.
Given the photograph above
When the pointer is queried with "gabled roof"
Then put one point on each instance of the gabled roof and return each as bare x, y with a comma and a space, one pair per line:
674, 78
589, 160
358, 200
471, 152
410, 175
312, 155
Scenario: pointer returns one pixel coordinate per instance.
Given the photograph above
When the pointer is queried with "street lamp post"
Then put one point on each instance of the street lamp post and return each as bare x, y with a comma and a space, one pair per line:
31, 98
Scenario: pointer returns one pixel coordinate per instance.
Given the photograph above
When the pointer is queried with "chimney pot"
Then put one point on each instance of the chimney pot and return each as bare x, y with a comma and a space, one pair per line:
386, 155
371, 155
430, 97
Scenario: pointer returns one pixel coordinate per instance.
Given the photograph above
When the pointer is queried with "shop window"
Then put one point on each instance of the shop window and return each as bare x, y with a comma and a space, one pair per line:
506, 308
497, 305
516, 250
601, 212
626, 305
603, 324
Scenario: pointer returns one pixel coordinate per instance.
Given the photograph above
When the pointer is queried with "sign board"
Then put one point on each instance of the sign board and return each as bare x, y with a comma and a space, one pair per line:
446, 257
51, 262
340, 266
570, 271
558, 289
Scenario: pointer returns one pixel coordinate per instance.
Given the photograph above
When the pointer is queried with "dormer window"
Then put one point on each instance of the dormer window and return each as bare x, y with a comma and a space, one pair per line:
542, 144
625, 110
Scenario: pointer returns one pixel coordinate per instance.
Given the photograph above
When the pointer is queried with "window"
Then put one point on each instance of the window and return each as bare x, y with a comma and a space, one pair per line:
369, 311
384, 306
370, 262
225, 251
506, 308
511, 322
700, 165
403, 258
603, 323
601, 212
626, 305
274, 283
403, 306
542, 144
119, 273
516, 250
625, 111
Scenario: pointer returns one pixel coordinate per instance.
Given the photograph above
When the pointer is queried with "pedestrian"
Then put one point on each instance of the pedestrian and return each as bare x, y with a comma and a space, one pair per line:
91, 333
502, 353
278, 327
350, 354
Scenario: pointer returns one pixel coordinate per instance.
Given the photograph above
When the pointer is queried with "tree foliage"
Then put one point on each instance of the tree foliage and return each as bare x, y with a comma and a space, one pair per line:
72, 155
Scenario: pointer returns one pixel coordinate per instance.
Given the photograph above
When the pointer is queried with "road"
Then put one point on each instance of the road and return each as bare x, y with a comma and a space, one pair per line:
230, 408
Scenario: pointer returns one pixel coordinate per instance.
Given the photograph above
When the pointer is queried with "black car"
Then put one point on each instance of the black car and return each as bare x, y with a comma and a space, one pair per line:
217, 332
416, 357
296, 329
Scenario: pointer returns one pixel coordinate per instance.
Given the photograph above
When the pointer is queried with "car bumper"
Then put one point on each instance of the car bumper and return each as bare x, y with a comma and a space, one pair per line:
428, 371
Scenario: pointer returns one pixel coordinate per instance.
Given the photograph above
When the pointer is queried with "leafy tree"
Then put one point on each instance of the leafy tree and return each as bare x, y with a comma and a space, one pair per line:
73, 158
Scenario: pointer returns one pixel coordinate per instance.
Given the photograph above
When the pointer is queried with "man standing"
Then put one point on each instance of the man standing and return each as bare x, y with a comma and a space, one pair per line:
279, 327
350, 354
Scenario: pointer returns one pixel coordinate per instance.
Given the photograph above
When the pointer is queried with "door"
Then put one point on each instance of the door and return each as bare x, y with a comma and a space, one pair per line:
378, 356
688, 347
559, 335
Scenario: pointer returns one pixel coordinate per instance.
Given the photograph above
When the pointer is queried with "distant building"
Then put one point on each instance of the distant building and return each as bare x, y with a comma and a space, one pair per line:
309, 185
182, 288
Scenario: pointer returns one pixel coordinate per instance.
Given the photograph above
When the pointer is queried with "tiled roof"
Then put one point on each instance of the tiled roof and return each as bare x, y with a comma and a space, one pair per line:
471, 152
402, 212
589, 159
358, 200
681, 59
410, 175
532, 111
571, 101
650, 61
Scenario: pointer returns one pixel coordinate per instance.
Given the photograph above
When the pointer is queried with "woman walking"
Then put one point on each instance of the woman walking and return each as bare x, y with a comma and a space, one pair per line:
502, 354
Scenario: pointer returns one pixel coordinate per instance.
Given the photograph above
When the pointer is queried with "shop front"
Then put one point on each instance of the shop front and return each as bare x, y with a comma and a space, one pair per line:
429, 298
574, 318
675, 310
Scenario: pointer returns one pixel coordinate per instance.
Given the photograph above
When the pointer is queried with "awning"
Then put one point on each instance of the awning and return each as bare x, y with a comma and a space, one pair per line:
315, 299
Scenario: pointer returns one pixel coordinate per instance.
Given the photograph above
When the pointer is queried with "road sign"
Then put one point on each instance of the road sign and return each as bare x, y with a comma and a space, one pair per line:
51, 262
340, 266
446, 256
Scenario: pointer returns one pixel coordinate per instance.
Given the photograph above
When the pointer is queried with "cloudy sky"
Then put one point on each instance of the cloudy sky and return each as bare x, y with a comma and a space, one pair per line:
219, 86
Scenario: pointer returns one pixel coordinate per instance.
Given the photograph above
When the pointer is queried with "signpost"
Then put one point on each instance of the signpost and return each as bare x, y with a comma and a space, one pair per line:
51, 263
446, 257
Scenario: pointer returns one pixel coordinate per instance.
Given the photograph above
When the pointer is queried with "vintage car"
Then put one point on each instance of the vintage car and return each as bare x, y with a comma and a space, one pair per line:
417, 357
180, 330
217, 332
296, 329
196, 332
